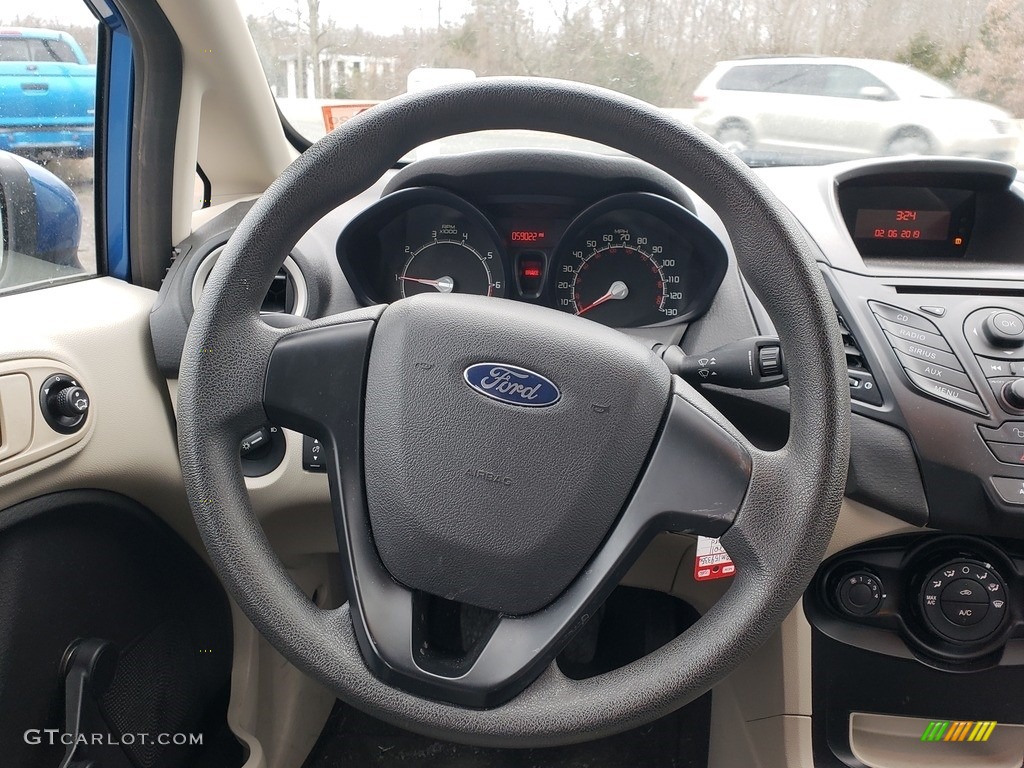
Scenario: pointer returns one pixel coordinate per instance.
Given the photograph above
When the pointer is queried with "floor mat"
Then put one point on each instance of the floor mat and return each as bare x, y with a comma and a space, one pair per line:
352, 739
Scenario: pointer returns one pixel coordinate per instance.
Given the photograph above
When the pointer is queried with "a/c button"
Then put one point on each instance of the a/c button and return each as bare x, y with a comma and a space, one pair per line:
964, 614
1010, 490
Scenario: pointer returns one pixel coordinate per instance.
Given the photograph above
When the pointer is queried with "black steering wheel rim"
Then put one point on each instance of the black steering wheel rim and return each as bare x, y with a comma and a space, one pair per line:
777, 536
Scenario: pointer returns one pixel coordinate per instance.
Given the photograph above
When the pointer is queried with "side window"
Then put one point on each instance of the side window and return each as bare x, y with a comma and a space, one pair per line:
51, 50
47, 144
751, 77
805, 80
850, 83
775, 78
13, 49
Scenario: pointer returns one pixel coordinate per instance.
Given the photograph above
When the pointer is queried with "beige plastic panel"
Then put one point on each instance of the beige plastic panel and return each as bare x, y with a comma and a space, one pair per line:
227, 118
25, 437
97, 330
758, 702
884, 741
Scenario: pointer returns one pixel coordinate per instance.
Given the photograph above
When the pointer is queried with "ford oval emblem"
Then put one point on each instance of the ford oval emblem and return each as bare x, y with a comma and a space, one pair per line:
512, 384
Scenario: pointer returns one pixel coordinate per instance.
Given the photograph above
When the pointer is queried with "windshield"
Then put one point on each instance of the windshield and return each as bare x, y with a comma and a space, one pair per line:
776, 82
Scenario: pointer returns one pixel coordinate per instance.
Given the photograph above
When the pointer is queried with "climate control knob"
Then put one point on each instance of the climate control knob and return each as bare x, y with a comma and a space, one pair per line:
859, 594
964, 601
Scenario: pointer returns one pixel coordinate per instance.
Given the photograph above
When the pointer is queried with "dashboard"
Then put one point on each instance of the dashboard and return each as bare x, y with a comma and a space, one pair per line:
622, 258
924, 260
631, 259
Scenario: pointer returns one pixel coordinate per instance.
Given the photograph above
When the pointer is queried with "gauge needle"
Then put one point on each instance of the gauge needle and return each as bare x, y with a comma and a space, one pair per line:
443, 284
618, 290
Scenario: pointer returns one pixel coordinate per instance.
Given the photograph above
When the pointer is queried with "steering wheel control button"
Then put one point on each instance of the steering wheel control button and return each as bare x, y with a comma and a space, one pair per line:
261, 451
903, 317
996, 332
864, 388
914, 335
64, 403
1004, 329
313, 456
859, 594
1010, 490
952, 395
964, 600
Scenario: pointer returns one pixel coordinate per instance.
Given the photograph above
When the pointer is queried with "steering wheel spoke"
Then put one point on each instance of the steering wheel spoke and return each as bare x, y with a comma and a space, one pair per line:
694, 482
315, 375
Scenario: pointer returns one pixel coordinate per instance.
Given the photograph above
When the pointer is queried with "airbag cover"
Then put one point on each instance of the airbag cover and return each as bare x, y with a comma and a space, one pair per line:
488, 502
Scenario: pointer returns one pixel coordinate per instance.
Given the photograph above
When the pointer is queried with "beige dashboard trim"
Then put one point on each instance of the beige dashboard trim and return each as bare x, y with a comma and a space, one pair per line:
25, 437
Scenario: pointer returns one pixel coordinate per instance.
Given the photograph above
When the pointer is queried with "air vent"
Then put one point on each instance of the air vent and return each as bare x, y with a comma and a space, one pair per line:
854, 357
287, 294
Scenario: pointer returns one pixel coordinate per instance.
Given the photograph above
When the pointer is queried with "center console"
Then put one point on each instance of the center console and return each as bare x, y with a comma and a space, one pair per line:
925, 264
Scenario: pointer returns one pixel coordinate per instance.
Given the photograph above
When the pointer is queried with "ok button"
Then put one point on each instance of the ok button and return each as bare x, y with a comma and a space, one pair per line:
1009, 323
1004, 329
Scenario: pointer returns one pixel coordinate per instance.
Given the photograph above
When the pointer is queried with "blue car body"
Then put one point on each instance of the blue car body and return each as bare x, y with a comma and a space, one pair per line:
47, 94
42, 219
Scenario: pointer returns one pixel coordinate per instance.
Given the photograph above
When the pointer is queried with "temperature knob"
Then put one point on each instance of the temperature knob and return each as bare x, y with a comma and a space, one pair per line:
964, 600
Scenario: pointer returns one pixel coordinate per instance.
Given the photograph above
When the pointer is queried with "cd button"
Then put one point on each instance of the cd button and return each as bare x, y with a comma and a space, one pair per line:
903, 317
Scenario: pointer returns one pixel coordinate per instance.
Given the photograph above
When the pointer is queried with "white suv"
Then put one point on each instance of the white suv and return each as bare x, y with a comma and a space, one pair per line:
811, 109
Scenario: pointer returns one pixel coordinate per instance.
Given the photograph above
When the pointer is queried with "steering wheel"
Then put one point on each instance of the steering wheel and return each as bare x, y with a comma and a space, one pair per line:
509, 457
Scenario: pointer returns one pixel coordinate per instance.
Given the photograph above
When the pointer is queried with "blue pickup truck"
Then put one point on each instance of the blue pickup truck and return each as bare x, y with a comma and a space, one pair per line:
47, 94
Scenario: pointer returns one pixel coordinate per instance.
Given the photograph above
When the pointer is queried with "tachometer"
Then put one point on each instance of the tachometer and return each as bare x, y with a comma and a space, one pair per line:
448, 263
421, 240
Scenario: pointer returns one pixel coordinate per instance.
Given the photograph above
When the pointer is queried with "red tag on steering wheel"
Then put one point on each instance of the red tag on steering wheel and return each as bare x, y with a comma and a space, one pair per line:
712, 561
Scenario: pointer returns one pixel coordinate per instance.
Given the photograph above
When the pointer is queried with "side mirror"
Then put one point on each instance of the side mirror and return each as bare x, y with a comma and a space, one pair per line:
41, 223
875, 93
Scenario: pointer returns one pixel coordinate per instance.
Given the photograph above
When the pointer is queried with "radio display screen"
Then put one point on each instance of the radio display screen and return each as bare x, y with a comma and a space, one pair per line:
908, 222
901, 224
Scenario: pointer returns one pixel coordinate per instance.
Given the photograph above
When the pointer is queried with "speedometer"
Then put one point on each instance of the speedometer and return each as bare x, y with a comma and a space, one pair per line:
621, 279
636, 259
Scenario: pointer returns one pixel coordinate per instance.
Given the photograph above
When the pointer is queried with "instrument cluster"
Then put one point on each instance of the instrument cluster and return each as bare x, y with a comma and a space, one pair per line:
629, 260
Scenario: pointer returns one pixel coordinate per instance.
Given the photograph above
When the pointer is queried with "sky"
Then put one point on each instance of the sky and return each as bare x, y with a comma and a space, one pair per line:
374, 15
